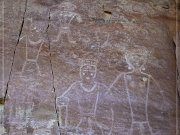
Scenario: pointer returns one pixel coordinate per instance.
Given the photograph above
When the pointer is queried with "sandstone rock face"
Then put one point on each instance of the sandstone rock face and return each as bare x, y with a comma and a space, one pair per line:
88, 67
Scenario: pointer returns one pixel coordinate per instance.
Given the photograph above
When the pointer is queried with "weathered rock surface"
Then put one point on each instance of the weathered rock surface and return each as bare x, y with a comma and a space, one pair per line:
89, 67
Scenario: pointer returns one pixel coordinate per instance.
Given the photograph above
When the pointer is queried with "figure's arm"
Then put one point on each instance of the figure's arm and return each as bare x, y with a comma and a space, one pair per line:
55, 38
158, 87
22, 38
62, 103
114, 82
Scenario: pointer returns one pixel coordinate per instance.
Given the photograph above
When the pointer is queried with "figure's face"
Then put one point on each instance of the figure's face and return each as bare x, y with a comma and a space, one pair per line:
34, 28
136, 60
88, 73
37, 26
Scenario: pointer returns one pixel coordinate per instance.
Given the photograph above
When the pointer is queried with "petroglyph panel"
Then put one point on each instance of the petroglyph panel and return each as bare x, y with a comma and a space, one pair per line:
92, 68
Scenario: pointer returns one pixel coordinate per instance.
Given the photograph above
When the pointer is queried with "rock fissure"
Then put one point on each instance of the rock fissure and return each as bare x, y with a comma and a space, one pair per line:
52, 72
14, 52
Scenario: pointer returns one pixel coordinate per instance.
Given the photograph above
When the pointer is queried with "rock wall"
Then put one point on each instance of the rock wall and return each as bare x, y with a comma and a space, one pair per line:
88, 67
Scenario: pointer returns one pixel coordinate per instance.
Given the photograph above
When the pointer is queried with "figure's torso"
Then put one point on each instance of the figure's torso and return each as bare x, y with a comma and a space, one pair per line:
33, 49
88, 100
137, 87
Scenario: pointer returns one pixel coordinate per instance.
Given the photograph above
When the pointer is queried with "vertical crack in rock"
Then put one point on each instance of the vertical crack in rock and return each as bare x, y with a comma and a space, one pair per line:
178, 93
52, 72
14, 53
175, 43
177, 68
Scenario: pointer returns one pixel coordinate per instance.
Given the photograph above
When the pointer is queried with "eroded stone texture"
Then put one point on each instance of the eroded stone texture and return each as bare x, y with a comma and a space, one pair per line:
13, 15
90, 67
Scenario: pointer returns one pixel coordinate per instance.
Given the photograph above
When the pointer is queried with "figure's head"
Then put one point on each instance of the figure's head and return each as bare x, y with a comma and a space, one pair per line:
36, 26
88, 70
136, 59
67, 6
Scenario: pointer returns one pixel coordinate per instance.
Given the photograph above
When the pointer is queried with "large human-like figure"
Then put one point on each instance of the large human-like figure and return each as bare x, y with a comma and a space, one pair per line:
65, 15
135, 86
20, 103
80, 107
34, 42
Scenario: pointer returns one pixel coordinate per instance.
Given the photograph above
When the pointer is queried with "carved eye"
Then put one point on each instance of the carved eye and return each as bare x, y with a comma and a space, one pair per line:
33, 27
83, 73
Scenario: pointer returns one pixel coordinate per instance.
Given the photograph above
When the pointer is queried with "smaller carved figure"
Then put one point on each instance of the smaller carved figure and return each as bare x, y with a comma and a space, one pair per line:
65, 15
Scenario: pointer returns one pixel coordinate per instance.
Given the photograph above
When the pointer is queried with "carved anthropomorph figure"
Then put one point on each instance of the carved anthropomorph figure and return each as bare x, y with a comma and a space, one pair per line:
20, 103
134, 87
80, 107
65, 14
34, 42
